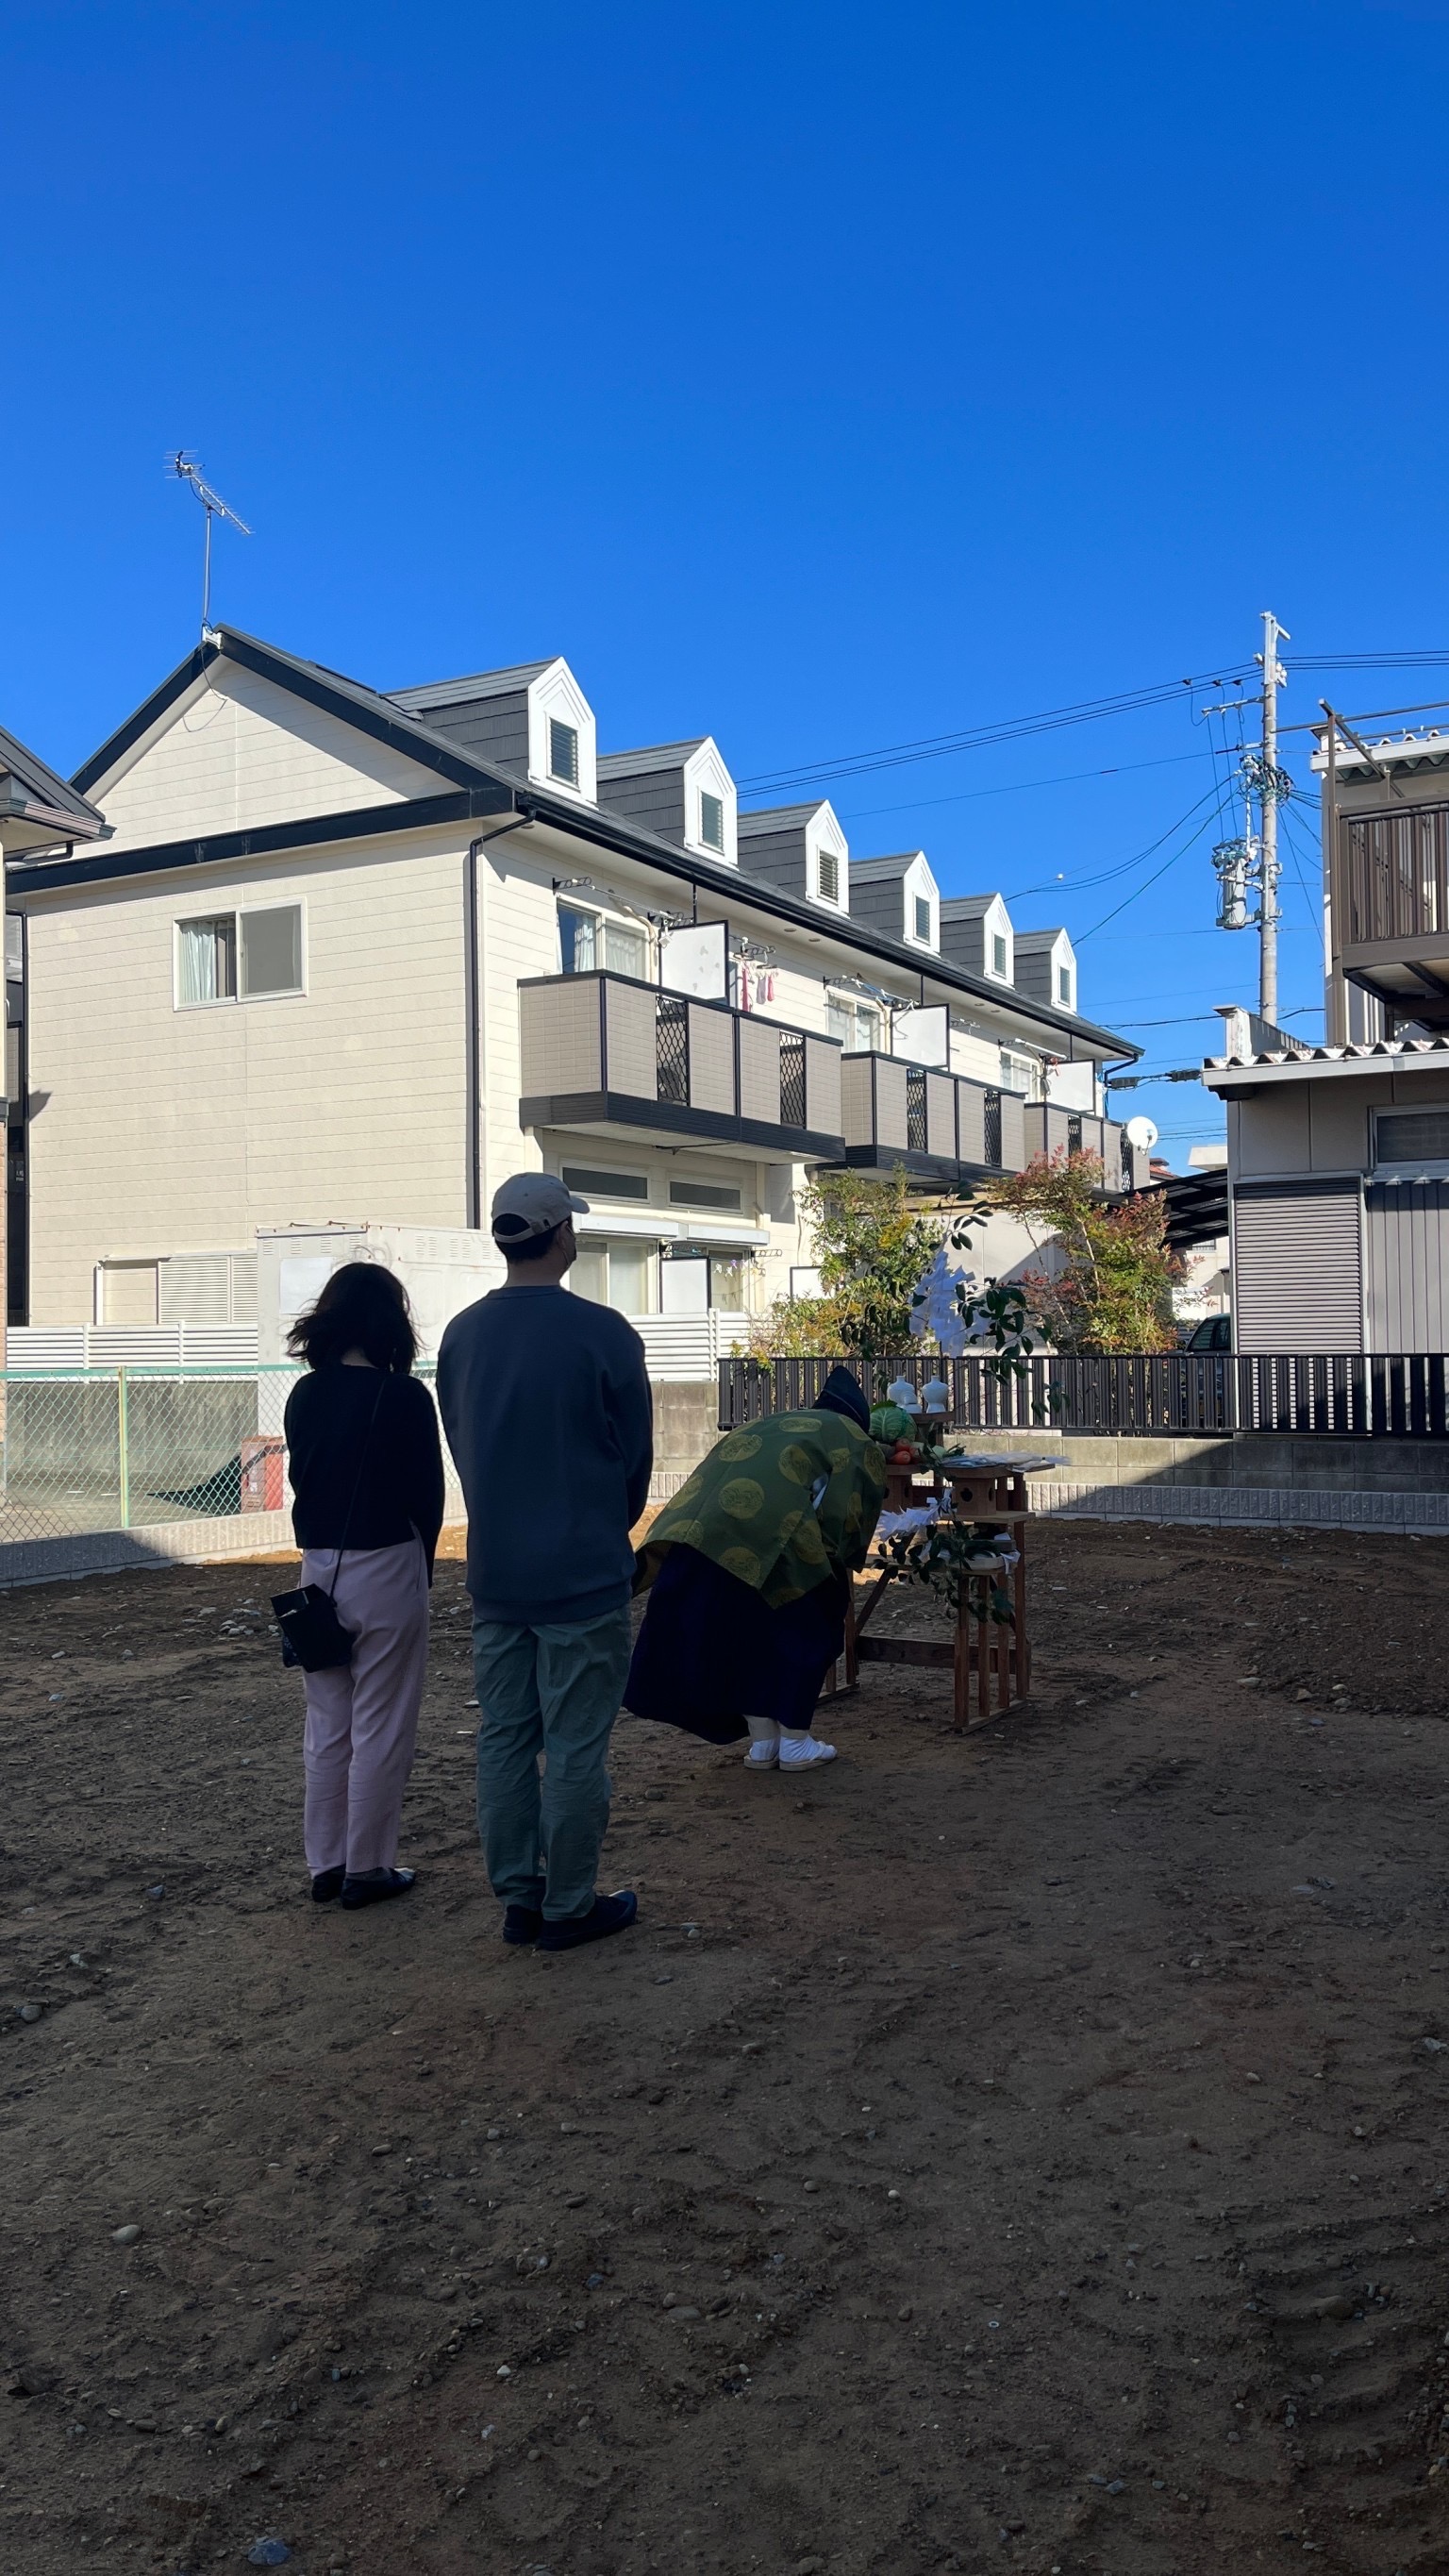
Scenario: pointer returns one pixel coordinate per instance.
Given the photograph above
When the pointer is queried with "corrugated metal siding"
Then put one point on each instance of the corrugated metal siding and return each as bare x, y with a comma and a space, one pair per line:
1298, 1267
1406, 1224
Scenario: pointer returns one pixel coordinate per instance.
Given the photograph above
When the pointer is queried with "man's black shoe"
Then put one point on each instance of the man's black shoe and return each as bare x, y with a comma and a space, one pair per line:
522, 1925
607, 1914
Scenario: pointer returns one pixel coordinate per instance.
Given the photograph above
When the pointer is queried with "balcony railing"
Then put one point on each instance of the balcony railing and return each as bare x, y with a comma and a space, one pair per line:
1394, 875
945, 1127
603, 1049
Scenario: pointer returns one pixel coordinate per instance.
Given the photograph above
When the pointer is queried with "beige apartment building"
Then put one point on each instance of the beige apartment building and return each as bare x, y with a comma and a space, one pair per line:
349, 957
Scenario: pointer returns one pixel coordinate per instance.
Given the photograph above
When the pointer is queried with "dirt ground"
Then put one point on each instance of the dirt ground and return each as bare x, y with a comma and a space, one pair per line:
1019, 2150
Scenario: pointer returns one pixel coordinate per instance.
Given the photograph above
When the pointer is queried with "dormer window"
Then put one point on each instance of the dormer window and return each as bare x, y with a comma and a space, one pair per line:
711, 821
563, 752
827, 876
1064, 987
998, 954
923, 917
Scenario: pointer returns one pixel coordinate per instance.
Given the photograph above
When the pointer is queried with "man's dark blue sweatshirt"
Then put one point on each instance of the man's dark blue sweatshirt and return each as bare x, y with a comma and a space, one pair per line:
545, 1400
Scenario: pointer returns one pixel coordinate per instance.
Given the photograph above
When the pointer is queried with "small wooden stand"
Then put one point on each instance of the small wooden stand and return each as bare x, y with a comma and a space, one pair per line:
997, 1653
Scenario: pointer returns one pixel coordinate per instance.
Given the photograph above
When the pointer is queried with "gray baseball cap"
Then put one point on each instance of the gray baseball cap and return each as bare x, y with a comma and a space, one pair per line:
532, 1203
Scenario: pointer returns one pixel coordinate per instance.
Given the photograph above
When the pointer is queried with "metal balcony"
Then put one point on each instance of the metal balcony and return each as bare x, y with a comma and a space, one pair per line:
1051, 1129
1390, 910
607, 1052
943, 1127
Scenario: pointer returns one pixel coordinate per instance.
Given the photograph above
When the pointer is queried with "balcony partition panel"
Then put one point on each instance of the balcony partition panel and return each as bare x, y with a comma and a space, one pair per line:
857, 1100
759, 1056
1013, 1156
1396, 873
892, 1104
561, 1044
971, 1100
941, 1117
632, 1061
823, 1093
711, 1059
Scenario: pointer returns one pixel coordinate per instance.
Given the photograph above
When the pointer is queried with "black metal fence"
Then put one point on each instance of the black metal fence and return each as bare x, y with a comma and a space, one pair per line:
1130, 1395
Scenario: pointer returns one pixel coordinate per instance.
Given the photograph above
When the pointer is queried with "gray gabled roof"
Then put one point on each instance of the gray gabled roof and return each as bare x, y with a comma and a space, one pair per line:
968, 907
781, 818
479, 684
34, 793
484, 789
658, 755
1029, 942
870, 869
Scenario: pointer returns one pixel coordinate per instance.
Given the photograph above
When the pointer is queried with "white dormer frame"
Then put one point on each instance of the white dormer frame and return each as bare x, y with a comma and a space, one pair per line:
919, 884
996, 924
706, 775
1064, 962
824, 833
554, 692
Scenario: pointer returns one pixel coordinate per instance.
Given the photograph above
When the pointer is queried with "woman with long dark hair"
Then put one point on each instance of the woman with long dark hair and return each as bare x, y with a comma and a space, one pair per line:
367, 1473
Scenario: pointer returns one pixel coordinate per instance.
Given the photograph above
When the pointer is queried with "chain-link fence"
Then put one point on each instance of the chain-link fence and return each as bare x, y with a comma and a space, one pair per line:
131, 1448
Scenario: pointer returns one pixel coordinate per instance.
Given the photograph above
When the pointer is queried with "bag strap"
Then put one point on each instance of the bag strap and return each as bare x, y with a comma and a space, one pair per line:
357, 1482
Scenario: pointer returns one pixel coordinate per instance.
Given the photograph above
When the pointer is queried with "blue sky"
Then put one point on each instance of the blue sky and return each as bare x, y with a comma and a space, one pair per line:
823, 378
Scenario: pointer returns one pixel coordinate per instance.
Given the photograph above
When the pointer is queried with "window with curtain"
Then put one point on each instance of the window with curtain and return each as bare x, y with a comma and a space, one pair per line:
206, 959
631, 1272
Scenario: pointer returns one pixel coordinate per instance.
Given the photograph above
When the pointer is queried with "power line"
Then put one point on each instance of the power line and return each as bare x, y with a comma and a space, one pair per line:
1147, 882
979, 737
1120, 868
1020, 786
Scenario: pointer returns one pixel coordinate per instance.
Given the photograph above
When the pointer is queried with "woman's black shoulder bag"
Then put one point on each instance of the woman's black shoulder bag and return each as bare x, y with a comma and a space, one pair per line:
312, 1634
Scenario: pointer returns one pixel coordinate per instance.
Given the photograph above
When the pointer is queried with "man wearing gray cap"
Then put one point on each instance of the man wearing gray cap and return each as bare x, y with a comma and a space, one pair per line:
546, 1404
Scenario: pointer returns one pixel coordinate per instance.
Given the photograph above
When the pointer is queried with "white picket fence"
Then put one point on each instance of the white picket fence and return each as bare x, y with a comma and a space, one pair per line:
46, 1347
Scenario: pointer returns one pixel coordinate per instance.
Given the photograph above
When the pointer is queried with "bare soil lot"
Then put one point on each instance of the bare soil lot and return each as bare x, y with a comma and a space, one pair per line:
1022, 2150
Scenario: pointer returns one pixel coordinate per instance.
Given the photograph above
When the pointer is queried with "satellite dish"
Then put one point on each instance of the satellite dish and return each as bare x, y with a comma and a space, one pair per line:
1142, 1132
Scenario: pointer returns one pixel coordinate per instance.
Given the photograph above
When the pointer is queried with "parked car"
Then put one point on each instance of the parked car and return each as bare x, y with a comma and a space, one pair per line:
1214, 1333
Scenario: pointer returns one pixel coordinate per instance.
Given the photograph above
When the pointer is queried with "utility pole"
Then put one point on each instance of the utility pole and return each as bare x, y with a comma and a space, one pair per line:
1274, 678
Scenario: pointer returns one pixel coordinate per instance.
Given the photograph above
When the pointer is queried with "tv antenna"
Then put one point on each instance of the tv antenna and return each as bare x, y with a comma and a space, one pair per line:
183, 465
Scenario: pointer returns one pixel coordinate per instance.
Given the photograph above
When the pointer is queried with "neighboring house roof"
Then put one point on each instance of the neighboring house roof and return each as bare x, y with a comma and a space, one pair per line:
481, 790
1403, 1055
31, 795
659, 755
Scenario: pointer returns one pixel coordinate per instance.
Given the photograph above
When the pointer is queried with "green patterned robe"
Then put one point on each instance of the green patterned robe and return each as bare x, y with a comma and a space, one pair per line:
747, 1506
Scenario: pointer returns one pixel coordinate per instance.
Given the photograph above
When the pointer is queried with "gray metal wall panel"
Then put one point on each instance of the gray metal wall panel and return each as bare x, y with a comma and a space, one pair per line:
559, 1034
493, 729
1032, 975
963, 944
633, 1061
1013, 1132
1297, 1268
822, 1087
1407, 1237
711, 1059
760, 1071
878, 903
776, 858
654, 800
855, 1109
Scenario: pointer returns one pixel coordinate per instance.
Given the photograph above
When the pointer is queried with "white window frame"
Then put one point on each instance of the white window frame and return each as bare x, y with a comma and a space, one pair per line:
1065, 977
219, 912
606, 919
710, 796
